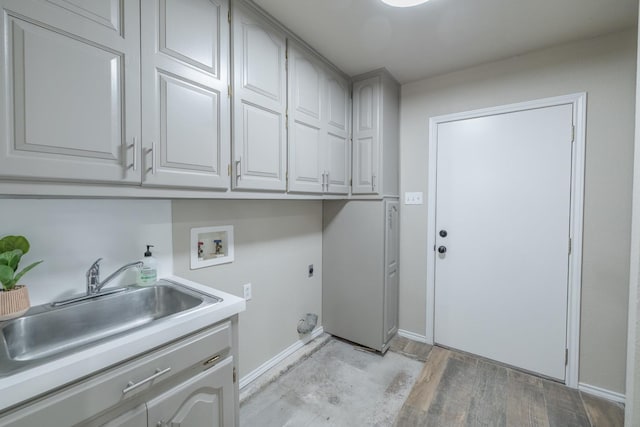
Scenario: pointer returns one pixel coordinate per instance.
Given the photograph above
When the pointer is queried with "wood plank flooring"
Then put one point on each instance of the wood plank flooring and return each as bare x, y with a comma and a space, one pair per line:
456, 389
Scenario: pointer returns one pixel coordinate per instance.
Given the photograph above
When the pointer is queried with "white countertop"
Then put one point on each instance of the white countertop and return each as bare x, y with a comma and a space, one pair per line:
25, 385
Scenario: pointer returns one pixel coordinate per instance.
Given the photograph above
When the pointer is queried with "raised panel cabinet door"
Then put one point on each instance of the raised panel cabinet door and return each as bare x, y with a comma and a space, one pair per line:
307, 142
185, 100
338, 129
204, 400
366, 135
259, 103
391, 269
136, 417
70, 90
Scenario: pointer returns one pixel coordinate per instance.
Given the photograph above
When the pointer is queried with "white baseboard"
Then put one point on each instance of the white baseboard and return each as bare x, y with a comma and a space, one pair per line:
412, 336
601, 392
260, 370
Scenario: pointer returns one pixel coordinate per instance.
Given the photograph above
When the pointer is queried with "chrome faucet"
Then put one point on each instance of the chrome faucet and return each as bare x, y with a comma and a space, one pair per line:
94, 285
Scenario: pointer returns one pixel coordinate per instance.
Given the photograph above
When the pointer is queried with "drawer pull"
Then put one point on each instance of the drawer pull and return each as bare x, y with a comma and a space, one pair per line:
132, 386
214, 359
153, 158
134, 147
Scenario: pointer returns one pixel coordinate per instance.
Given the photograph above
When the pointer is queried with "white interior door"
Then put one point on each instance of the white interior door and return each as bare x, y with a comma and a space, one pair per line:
503, 217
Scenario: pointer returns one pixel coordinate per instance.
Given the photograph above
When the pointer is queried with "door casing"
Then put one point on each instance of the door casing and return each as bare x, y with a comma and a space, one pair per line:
578, 100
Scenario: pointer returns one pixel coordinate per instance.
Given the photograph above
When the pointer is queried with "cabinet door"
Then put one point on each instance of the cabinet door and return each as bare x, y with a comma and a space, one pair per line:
391, 269
366, 102
70, 90
204, 400
259, 103
136, 417
338, 113
307, 142
185, 102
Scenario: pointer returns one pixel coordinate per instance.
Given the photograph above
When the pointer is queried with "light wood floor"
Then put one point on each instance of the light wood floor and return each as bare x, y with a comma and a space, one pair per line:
456, 389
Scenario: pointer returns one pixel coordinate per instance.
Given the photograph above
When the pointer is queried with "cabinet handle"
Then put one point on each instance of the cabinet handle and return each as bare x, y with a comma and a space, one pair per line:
134, 146
323, 174
391, 210
327, 181
373, 182
153, 158
214, 359
238, 170
132, 386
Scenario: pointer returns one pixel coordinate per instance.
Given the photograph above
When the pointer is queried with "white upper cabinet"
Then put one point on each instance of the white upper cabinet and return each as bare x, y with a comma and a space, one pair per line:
338, 134
375, 134
259, 103
306, 117
318, 126
366, 136
185, 102
143, 93
70, 95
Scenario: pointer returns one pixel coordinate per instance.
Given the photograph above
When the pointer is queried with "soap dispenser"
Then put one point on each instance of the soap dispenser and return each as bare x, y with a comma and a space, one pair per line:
149, 270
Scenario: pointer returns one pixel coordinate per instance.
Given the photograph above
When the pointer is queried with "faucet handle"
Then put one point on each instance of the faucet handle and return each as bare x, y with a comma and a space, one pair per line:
93, 274
95, 267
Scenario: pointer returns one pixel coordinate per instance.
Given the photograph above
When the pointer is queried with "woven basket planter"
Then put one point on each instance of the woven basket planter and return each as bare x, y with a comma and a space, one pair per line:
14, 303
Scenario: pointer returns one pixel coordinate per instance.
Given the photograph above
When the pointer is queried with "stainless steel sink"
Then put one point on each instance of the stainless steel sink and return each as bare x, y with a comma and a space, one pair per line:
47, 332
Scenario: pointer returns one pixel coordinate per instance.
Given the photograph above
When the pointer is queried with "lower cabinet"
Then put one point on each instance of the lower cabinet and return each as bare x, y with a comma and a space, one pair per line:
190, 382
206, 399
360, 242
135, 417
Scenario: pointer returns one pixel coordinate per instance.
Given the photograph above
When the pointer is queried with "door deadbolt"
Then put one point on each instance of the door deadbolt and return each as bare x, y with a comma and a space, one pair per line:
443, 233
442, 249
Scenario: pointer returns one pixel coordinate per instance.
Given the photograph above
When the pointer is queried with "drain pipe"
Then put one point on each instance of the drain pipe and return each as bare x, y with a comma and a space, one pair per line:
307, 324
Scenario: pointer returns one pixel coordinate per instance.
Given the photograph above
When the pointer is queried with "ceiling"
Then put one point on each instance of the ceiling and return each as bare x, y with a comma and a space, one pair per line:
443, 35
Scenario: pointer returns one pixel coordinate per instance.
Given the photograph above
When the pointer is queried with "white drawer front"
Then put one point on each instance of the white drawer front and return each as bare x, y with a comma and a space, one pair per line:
88, 398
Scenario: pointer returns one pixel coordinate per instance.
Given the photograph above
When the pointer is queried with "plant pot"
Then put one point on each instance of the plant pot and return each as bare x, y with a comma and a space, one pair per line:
14, 303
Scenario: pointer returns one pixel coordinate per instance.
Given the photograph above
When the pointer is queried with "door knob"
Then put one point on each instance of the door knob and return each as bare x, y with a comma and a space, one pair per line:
443, 233
442, 249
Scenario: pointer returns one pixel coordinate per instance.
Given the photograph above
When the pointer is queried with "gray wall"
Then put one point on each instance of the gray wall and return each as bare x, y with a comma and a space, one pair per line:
275, 241
632, 404
603, 67
70, 234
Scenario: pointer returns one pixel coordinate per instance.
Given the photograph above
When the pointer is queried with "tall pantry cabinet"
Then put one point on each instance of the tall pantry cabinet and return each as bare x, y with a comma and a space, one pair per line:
360, 240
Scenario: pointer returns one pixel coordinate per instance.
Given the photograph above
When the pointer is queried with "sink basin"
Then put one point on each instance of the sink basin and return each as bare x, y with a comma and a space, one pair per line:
46, 332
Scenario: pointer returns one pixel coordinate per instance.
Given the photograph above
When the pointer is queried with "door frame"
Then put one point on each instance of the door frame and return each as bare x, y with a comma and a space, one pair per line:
578, 100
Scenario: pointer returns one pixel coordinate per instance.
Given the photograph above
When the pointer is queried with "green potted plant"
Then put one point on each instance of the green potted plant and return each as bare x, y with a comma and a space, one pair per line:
14, 298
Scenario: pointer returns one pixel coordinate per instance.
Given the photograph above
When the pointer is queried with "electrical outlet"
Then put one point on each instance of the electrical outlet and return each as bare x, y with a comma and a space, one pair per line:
247, 291
413, 198
310, 270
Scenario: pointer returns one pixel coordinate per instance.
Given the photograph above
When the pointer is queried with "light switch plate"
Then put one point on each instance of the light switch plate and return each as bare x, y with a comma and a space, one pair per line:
413, 198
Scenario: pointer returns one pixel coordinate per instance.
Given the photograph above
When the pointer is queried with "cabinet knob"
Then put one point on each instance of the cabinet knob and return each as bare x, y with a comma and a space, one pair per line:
442, 249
